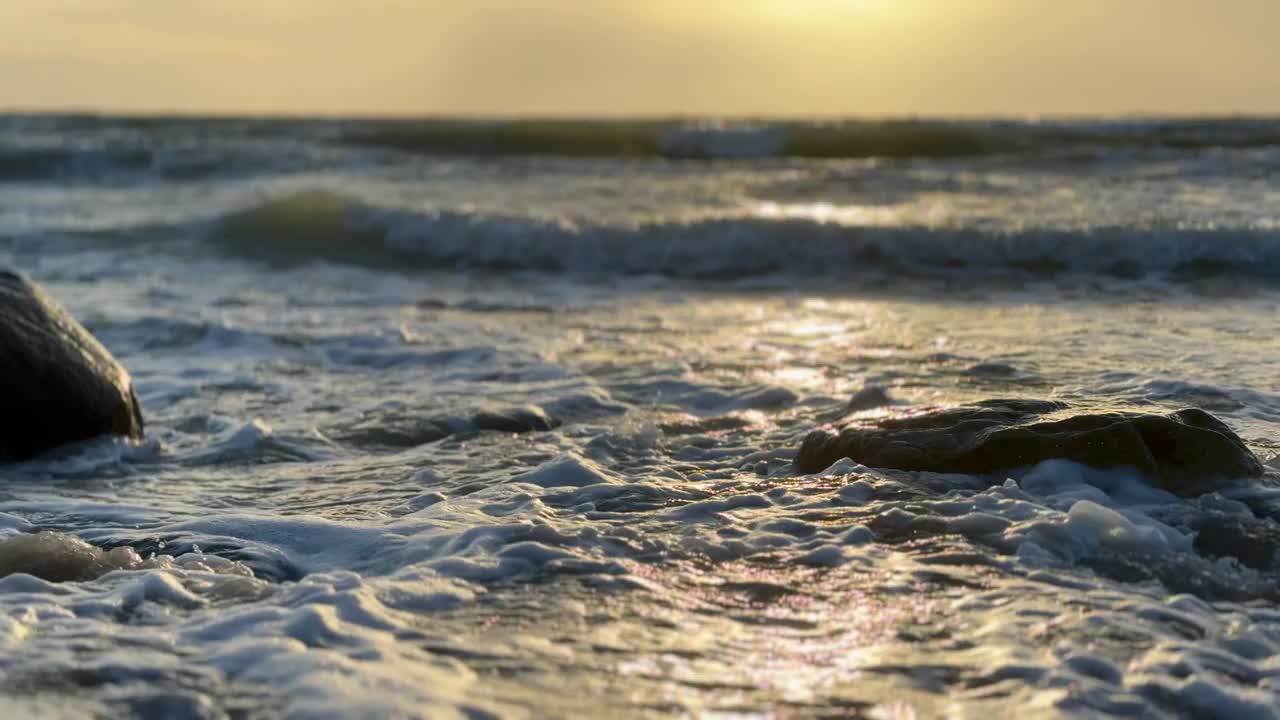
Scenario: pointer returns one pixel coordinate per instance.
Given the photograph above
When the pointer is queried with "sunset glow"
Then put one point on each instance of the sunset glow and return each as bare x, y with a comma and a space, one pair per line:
573, 57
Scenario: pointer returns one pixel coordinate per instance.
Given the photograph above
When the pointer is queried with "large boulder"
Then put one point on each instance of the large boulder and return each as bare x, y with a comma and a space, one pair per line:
59, 384
1188, 452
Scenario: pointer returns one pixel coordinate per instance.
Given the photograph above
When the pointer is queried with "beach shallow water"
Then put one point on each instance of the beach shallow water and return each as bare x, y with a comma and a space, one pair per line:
510, 435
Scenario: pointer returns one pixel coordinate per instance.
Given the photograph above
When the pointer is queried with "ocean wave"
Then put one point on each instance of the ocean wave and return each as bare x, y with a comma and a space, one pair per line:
88, 150
129, 162
55, 163
908, 138
44, 148
688, 140
326, 226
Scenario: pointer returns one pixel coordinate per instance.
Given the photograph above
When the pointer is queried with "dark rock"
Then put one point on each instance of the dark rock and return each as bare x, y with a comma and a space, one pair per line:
398, 430
393, 432
60, 385
869, 398
1253, 542
992, 369
516, 420
1187, 452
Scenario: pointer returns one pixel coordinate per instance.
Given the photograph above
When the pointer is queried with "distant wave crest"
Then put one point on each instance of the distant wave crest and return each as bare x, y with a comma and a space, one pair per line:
90, 148
836, 139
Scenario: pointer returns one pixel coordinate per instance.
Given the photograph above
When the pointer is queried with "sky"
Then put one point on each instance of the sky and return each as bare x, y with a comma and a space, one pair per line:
643, 57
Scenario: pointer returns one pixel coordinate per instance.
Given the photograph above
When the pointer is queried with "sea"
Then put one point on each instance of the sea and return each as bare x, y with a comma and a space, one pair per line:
493, 418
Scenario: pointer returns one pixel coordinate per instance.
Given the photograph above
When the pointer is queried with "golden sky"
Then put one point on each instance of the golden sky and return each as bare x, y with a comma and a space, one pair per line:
643, 57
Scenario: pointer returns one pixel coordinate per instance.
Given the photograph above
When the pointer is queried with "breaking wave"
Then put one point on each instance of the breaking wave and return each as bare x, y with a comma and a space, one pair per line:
325, 226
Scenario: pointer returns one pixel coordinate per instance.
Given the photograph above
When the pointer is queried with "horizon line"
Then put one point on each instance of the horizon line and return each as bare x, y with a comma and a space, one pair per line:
657, 117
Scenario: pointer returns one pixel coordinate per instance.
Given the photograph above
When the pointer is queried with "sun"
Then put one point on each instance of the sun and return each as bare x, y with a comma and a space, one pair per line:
822, 10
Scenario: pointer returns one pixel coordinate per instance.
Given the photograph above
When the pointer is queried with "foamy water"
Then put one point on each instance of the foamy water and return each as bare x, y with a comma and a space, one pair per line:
510, 435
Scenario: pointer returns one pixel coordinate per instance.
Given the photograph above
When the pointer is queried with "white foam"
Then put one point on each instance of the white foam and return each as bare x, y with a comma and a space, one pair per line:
568, 471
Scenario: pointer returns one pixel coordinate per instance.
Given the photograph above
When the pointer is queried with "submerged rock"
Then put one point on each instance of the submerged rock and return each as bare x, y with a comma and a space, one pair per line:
529, 418
57, 557
869, 398
397, 430
1188, 452
60, 385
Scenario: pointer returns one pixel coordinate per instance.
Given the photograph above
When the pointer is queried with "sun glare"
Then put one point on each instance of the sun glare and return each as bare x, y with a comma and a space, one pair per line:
819, 10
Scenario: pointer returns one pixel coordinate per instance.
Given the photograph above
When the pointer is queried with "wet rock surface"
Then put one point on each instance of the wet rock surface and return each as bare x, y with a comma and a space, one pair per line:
60, 385
398, 430
529, 418
1187, 452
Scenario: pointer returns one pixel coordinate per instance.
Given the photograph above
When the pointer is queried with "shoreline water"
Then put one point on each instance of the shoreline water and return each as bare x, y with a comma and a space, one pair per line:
319, 526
